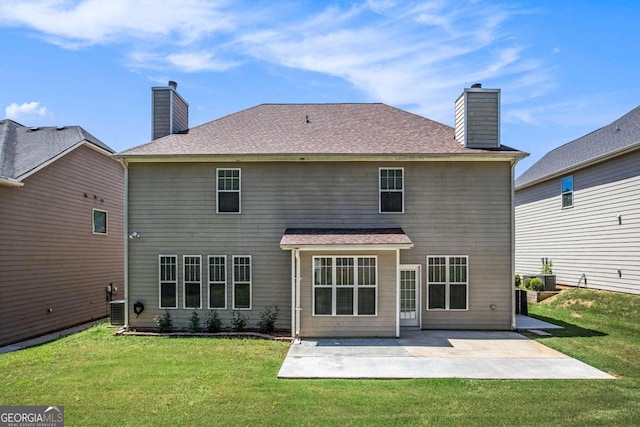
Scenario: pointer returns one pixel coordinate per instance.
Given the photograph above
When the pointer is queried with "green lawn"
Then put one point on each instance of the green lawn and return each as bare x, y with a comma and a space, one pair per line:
103, 380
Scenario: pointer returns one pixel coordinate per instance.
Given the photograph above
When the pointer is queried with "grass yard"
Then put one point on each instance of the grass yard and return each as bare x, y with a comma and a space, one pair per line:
103, 380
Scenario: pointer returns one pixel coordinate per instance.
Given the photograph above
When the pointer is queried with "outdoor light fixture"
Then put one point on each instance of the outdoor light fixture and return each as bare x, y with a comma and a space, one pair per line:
134, 235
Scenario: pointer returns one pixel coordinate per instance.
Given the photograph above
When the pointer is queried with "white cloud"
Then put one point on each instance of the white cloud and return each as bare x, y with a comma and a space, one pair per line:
74, 24
188, 62
26, 111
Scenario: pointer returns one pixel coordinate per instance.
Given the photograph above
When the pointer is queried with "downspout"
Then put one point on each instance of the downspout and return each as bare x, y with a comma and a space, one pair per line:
513, 244
293, 292
297, 290
397, 293
126, 243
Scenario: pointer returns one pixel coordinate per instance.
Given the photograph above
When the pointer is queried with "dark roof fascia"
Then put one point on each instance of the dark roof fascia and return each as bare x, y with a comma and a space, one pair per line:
578, 166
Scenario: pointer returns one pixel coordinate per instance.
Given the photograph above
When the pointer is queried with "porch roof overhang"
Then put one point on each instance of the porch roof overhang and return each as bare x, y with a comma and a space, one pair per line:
345, 239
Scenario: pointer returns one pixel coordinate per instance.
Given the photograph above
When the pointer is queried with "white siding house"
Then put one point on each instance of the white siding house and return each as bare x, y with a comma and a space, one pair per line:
579, 206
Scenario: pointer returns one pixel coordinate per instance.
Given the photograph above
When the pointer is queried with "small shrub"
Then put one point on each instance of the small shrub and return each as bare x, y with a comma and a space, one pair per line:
164, 322
194, 322
238, 321
518, 280
213, 322
527, 283
535, 284
268, 317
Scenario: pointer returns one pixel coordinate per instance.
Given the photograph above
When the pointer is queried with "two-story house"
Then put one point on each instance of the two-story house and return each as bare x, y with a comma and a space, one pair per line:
352, 219
61, 229
579, 206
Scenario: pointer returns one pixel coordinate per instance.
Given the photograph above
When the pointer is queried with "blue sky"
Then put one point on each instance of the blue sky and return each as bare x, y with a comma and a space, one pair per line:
565, 68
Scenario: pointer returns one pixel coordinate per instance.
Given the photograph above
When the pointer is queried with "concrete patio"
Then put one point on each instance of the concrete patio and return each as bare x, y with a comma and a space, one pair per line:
436, 354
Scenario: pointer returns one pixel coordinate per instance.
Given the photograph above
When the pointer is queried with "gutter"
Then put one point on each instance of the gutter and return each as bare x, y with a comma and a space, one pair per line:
10, 182
513, 244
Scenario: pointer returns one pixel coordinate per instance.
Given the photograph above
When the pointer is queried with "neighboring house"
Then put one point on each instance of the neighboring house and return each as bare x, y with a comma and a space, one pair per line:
352, 219
61, 229
579, 206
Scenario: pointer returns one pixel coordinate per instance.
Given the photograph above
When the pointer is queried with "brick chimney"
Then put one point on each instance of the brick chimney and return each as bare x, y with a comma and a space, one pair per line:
477, 123
169, 111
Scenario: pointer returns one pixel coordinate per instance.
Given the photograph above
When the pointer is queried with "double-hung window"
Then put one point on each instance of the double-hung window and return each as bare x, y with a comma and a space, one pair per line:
242, 282
447, 282
192, 281
228, 191
168, 281
217, 281
391, 190
567, 192
344, 286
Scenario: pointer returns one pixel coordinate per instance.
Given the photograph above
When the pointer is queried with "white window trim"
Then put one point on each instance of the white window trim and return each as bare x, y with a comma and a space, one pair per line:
335, 286
93, 222
404, 184
211, 282
447, 284
218, 191
160, 281
184, 281
562, 192
233, 273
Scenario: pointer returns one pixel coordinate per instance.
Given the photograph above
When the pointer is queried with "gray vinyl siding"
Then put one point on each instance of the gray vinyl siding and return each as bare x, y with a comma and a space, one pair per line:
480, 127
49, 256
586, 238
451, 208
383, 324
180, 114
161, 112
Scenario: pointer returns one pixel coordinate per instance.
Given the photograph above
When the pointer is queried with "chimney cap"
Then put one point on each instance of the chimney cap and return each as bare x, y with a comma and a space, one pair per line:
173, 84
476, 86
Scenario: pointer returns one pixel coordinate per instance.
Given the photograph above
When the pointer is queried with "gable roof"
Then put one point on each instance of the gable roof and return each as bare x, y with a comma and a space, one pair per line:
617, 137
311, 129
23, 150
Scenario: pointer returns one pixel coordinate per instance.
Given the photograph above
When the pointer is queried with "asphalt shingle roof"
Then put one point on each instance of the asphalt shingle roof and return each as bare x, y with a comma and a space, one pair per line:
23, 149
620, 135
305, 129
344, 236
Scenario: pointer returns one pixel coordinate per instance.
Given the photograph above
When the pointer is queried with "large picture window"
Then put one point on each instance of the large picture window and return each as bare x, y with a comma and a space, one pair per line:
567, 192
192, 281
242, 282
228, 190
217, 281
447, 282
391, 190
168, 281
344, 286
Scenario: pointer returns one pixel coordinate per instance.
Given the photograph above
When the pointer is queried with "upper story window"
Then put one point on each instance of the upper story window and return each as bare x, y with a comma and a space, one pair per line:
99, 222
391, 190
567, 192
228, 190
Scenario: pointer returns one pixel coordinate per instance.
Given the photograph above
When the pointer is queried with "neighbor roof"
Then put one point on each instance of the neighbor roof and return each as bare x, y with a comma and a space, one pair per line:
311, 129
619, 136
330, 237
24, 149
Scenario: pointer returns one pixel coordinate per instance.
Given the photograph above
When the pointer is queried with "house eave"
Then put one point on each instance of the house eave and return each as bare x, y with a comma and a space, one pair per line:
388, 247
306, 157
578, 166
10, 182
